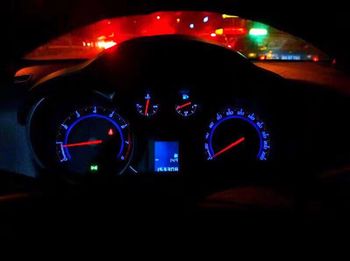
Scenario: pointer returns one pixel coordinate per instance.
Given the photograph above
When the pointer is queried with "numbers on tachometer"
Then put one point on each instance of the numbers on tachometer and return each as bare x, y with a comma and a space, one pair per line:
236, 134
94, 139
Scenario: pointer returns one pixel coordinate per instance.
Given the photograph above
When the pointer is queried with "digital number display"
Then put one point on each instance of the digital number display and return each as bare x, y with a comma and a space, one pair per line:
166, 156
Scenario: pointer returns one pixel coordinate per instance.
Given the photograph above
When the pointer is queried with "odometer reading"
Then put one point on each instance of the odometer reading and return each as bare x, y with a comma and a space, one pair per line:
236, 134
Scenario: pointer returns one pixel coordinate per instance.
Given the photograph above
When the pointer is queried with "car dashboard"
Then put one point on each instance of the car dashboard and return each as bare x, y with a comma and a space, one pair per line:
174, 116
165, 106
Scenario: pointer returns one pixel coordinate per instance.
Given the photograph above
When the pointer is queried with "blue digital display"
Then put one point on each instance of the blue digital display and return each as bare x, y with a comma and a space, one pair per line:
166, 156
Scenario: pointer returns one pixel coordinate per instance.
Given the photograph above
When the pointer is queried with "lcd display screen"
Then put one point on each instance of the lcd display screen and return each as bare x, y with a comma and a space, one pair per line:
166, 156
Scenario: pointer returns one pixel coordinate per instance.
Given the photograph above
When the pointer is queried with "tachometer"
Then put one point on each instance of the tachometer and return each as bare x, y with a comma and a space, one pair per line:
94, 139
236, 134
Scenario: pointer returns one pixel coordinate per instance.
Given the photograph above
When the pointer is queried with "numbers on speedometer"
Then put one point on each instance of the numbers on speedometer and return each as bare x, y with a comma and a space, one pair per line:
236, 134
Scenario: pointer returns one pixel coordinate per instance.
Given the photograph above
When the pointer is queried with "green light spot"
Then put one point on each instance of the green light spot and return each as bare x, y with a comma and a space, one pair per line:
258, 32
93, 168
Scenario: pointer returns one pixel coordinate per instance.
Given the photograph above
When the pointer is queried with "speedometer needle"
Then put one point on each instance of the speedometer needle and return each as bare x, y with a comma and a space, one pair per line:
232, 145
85, 143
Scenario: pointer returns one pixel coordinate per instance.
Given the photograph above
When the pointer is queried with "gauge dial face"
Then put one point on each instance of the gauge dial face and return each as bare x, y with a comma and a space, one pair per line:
236, 134
148, 107
94, 140
185, 106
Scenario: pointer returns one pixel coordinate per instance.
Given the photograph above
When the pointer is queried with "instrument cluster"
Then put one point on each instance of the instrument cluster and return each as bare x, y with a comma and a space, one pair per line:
97, 136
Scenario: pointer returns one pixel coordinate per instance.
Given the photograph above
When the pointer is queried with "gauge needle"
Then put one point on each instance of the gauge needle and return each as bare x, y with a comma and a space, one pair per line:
86, 143
147, 106
183, 105
232, 145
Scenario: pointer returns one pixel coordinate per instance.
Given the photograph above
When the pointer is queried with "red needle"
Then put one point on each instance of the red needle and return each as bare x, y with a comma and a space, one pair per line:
86, 143
147, 106
183, 105
234, 144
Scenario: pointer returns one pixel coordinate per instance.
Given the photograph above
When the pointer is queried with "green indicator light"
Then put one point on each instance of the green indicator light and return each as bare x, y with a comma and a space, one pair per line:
258, 32
93, 168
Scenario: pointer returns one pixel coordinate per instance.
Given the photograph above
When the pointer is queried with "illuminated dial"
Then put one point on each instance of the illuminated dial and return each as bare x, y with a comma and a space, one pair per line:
95, 140
148, 107
185, 106
236, 134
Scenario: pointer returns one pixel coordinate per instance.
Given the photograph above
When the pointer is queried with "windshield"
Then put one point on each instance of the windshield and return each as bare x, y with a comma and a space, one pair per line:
255, 40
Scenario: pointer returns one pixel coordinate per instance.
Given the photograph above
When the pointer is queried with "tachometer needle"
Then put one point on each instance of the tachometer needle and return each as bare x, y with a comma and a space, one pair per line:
147, 106
183, 105
232, 145
86, 143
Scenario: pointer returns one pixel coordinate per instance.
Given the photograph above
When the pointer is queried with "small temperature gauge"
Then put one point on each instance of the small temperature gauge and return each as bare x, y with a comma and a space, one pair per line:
148, 107
185, 106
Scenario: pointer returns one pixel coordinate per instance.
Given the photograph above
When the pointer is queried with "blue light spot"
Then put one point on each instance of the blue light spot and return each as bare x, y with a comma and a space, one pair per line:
185, 97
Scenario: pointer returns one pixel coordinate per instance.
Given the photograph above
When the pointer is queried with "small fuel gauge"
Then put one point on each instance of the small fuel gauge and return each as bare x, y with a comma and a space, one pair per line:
185, 106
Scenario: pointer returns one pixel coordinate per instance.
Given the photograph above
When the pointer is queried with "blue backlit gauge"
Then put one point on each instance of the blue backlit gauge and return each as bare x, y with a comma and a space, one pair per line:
185, 106
237, 135
148, 107
94, 140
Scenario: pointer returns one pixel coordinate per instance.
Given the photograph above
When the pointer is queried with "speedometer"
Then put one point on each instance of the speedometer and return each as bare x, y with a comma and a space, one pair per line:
236, 134
94, 140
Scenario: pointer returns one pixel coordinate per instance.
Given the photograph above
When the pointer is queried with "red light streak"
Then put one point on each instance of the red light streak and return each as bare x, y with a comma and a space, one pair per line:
235, 31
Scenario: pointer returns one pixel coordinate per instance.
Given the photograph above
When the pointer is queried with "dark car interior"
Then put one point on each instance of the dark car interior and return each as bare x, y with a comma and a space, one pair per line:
112, 110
